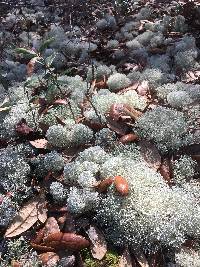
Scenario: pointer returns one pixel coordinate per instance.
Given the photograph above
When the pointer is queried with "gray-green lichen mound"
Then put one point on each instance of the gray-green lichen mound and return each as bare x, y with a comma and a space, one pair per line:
70, 135
152, 215
167, 128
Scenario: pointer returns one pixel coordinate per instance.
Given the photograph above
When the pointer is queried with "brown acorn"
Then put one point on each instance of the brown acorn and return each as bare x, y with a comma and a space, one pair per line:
104, 184
121, 185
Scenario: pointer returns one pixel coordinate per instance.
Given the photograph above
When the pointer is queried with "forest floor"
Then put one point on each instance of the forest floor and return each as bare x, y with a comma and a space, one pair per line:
99, 133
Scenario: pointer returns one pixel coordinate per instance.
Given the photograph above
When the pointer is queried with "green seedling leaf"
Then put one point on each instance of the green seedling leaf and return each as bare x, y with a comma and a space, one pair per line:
25, 52
49, 60
45, 44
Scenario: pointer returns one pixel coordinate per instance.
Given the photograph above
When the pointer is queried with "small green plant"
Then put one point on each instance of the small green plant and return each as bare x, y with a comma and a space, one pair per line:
110, 259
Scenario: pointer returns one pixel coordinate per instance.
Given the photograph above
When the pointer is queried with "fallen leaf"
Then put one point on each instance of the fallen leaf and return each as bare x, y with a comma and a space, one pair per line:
39, 143
27, 216
150, 154
157, 50
119, 127
61, 241
51, 226
196, 157
22, 128
190, 149
128, 138
141, 258
119, 110
133, 86
157, 259
165, 171
143, 88
60, 102
116, 111
49, 259
103, 185
98, 242
31, 66
125, 260
15, 264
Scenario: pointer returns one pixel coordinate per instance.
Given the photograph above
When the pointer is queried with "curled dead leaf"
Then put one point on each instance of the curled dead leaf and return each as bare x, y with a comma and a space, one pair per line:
143, 88
22, 128
71, 241
42, 247
125, 260
150, 154
60, 102
49, 259
15, 264
165, 171
39, 143
31, 66
119, 127
51, 226
98, 242
127, 138
141, 258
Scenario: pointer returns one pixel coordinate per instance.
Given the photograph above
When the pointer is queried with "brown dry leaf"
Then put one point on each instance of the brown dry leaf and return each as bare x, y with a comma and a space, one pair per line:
60, 102
156, 259
42, 211
31, 66
22, 128
49, 259
51, 226
134, 86
27, 216
15, 264
125, 260
196, 157
39, 143
98, 242
119, 127
117, 111
165, 171
150, 154
157, 50
128, 138
143, 88
141, 258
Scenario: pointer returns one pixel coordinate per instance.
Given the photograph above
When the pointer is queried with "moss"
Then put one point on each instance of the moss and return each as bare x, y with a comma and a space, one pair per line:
110, 260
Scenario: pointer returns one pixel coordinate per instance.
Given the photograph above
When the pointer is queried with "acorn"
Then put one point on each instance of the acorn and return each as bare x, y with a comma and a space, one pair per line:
121, 185
104, 184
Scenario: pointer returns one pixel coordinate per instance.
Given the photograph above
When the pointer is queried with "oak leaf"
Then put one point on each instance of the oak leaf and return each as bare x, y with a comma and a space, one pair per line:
29, 214
39, 143
98, 242
150, 154
125, 260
